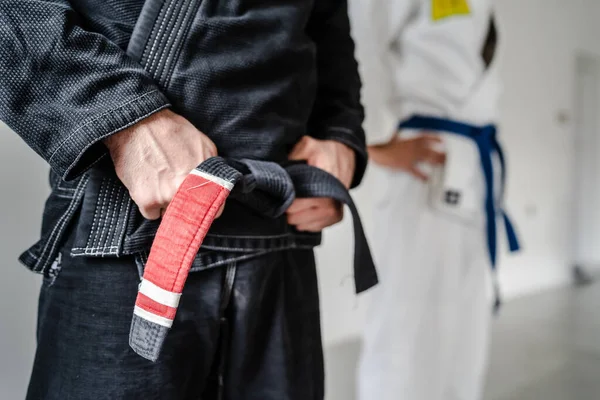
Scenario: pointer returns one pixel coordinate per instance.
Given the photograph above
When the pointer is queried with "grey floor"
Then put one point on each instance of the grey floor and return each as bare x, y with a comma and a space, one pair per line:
545, 346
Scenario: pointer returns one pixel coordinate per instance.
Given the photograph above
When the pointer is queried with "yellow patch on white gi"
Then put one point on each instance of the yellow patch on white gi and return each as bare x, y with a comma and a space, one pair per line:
441, 9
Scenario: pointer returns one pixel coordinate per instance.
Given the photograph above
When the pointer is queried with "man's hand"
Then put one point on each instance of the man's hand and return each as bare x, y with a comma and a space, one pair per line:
153, 157
406, 154
315, 214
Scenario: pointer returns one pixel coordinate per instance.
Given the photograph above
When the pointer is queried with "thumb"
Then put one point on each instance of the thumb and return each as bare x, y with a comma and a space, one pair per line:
301, 149
220, 212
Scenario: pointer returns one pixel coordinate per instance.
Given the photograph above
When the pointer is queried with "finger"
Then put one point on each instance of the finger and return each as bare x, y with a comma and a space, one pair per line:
330, 211
220, 212
417, 173
431, 138
314, 227
434, 157
306, 217
151, 213
300, 205
301, 149
209, 150
317, 226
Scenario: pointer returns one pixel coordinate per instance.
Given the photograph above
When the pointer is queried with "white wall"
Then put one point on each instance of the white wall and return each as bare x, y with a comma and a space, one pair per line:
23, 176
540, 39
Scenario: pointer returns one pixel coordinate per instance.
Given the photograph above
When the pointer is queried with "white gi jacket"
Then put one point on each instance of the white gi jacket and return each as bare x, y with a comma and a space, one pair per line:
426, 335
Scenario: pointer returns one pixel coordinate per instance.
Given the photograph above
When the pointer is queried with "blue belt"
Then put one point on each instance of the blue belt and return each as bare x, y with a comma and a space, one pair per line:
485, 138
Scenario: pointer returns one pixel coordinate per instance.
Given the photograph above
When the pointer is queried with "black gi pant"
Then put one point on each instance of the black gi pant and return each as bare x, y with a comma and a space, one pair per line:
247, 331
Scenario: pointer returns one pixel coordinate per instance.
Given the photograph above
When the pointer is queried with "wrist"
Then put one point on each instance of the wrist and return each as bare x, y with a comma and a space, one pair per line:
343, 148
128, 134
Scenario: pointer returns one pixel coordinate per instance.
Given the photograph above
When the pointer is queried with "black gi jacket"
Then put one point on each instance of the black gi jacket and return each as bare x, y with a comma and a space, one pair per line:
253, 75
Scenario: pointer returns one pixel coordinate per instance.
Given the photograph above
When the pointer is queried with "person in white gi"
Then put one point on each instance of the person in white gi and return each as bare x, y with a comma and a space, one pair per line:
431, 92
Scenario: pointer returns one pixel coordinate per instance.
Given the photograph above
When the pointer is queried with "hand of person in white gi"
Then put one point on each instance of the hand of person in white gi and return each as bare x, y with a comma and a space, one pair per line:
406, 154
315, 214
153, 157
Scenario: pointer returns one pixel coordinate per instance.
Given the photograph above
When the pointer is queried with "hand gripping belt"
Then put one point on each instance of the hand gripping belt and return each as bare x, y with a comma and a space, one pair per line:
264, 186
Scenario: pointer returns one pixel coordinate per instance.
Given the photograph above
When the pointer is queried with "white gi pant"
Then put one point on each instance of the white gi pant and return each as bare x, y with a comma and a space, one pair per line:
427, 327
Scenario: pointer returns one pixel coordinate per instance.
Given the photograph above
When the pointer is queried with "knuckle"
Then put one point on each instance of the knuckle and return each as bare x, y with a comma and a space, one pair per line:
145, 200
212, 148
150, 213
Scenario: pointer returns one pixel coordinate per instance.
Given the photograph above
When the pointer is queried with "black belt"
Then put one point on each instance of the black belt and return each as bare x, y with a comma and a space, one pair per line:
266, 187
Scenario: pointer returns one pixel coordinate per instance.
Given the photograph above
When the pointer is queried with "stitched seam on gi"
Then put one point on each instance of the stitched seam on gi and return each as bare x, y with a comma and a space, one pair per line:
116, 208
186, 25
119, 217
157, 40
112, 210
96, 118
32, 255
55, 234
100, 206
105, 216
173, 31
341, 129
125, 221
109, 221
156, 29
88, 249
94, 219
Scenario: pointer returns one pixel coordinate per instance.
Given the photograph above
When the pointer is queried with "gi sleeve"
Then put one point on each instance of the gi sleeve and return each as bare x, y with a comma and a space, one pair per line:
337, 113
63, 88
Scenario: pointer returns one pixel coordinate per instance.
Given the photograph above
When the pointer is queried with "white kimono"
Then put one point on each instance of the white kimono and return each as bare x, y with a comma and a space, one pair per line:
427, 329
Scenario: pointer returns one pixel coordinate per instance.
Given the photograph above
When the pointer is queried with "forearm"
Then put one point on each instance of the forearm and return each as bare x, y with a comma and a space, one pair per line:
63, 89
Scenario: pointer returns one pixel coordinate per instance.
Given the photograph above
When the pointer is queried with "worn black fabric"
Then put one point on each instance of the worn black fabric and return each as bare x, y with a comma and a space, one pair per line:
269, 189
255, 76
62, 87
256, 327
251, 75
